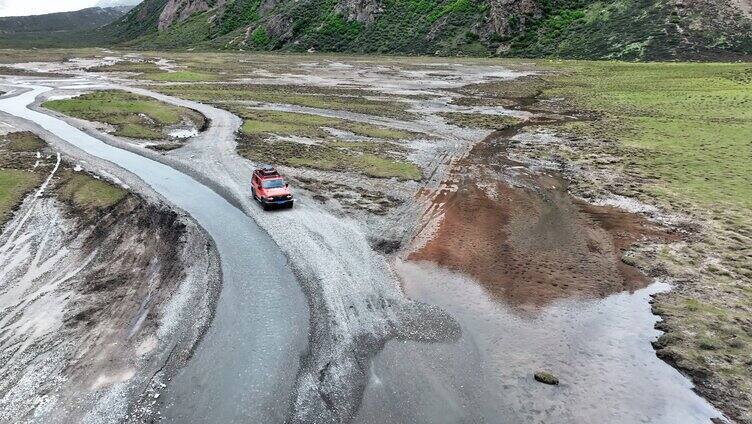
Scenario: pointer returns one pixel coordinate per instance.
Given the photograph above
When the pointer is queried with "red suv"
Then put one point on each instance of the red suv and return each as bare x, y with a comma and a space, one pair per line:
270, 189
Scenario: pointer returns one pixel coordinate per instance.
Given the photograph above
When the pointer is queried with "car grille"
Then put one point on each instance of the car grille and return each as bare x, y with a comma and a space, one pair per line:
278, 198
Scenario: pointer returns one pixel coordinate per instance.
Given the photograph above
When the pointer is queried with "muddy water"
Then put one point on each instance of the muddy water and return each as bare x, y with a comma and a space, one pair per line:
517, 231
535, 280
244, 368
599, 349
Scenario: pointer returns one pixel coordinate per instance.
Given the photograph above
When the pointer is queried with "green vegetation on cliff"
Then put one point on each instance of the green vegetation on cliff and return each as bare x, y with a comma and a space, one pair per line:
618, 29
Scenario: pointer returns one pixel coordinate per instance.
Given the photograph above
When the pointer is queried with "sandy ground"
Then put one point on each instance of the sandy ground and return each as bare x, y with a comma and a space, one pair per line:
474, 213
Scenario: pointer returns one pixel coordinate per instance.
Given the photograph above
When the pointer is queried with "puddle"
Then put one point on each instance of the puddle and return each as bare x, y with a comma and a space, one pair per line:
346, 135
183, 133
298, 139
599, 349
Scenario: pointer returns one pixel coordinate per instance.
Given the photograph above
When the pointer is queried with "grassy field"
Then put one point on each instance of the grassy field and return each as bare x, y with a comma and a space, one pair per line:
692, 121
87, 192
132, 115
684, 131
305, 125
21, 172
315, 97
14, 184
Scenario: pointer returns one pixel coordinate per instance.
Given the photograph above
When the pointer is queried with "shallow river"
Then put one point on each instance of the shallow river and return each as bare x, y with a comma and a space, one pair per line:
599, 349
244, 369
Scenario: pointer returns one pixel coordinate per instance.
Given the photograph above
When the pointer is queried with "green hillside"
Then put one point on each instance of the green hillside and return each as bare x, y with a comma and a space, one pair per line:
618, 29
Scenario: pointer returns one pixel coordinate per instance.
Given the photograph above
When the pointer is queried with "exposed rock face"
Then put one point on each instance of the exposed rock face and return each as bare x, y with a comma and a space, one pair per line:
500, 11
363, 11
279, 27
180, 10
266, 6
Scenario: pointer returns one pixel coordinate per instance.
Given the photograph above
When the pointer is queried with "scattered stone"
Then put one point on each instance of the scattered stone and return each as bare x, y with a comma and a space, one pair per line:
546, 378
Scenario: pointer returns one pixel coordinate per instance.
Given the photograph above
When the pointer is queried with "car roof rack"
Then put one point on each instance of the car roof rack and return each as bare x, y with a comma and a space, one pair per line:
268, 171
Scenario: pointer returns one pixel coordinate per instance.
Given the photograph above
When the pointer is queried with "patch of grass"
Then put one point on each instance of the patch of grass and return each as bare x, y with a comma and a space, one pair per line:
87, 192
380, 167
179, 76
323, 98
306, 125
375, 131
694, 305
368, 158
283, 123
14, 185
24, 141
141, 67
477, 120
132, 115
138, 131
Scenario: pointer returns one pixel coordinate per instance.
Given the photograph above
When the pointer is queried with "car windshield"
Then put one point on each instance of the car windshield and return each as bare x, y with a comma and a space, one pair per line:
276, 183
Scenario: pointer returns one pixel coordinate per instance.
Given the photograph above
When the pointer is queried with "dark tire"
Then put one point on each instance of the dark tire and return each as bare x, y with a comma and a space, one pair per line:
253, 193
264, 206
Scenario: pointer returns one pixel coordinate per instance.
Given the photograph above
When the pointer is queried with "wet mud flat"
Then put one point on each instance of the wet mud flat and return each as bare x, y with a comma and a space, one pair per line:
538, 280
524, 237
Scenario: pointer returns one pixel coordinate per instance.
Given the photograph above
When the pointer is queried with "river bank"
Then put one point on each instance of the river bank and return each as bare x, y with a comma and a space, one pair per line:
74, 244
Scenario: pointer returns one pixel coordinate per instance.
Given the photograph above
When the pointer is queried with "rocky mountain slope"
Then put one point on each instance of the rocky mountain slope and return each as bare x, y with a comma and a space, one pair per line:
619, 29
